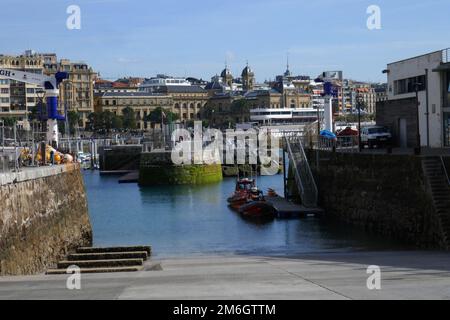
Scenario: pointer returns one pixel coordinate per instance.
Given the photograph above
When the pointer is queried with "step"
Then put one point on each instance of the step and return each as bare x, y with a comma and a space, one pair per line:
98, 270
148, 249
108, 256
101, 263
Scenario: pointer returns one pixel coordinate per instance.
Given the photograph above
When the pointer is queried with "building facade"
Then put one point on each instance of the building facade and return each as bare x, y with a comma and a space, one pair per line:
428, 78
188, 100
17, 99
142, 103
76, 93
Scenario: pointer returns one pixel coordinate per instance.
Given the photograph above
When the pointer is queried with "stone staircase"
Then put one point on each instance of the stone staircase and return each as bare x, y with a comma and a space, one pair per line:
105, 260
440, 191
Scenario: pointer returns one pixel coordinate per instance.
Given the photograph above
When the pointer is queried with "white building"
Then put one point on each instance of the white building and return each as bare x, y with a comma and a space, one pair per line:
430, 75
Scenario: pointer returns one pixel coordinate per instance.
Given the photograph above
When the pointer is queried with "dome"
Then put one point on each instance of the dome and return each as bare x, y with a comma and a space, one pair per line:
247, 71
226, 72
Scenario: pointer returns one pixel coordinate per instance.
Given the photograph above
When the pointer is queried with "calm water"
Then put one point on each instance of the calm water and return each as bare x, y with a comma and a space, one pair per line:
196, 220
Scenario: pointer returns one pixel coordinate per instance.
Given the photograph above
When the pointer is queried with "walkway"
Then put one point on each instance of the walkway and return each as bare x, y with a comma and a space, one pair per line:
405, 275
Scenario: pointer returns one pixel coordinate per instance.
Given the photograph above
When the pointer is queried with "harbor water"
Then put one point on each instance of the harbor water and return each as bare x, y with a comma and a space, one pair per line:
195, 220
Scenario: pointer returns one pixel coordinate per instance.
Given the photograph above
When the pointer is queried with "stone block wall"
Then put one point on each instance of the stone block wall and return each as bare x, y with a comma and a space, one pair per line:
157, 169
383, 194
44, 215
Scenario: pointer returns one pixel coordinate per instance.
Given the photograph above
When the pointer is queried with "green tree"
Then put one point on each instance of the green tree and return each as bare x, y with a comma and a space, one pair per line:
129, 118
156, 116
117, 122
241, 108
73, 118
9, 121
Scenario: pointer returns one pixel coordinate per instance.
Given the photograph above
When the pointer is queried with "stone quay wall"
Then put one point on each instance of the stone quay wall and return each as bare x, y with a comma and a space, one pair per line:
44, 215
382, 194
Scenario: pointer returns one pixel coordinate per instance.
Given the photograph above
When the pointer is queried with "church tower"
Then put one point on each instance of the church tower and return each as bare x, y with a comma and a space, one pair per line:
248, 78
227, 77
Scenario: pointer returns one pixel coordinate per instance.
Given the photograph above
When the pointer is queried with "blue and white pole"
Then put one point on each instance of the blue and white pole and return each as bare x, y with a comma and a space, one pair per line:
53, 117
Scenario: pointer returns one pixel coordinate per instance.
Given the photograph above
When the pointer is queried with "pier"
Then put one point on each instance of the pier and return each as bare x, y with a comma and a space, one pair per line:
287, 209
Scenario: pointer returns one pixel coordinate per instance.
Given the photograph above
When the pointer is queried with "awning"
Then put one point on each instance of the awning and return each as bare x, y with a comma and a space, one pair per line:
442, 68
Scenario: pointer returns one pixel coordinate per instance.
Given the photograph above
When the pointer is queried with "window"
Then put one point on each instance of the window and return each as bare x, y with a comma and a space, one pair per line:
30, 90
408, 85
4, 90
4, 100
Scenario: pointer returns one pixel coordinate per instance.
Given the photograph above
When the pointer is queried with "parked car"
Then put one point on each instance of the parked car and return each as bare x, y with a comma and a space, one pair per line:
375, 136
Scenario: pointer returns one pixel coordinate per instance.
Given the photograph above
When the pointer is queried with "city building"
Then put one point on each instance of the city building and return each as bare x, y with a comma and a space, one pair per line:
219, 110
142, 104
418, 87
188, 100
17, 99
76, 93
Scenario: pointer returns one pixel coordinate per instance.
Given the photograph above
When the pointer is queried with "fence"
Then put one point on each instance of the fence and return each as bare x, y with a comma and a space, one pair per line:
446, 55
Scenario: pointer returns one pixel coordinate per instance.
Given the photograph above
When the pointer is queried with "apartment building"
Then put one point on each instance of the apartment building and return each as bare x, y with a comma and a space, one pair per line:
17, 99
76, 93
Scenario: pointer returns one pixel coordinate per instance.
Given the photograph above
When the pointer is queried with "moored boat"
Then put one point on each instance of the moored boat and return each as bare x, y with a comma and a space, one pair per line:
242, 193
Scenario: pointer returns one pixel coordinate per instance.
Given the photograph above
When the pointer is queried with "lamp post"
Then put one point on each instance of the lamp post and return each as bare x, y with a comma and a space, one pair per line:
359, 103
417, 150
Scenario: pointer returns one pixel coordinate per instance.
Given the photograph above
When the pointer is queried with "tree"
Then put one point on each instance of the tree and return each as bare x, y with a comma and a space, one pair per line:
9, 121
116, 122
73, 118
156, 116
129, 118
241, 107
209, 112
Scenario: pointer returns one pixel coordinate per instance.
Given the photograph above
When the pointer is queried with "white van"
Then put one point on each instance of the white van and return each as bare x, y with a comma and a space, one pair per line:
375, 136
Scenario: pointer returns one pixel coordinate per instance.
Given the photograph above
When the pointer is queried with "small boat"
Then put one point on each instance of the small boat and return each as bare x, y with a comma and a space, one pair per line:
241, 193
258, 210
257, 207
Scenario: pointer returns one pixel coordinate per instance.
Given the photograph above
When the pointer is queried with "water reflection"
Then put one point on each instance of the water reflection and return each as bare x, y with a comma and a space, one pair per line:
183, 220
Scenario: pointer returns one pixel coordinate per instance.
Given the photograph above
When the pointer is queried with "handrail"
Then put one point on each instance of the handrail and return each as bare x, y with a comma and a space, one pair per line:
303, 173
445, 170
294, 164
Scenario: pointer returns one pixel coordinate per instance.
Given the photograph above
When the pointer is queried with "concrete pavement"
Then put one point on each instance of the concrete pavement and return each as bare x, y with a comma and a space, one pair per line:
404, 275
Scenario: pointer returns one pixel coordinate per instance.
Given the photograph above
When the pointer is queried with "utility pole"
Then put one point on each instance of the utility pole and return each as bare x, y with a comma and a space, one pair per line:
359, 102
417, 151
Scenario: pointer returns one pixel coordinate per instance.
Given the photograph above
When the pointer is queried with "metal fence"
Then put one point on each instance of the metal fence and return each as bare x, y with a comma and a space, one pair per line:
341, 144
446, 55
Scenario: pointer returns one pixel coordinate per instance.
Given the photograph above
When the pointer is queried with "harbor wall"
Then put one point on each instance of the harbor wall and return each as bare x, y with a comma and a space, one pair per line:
382, 194
157, 169
120, 158
44, 215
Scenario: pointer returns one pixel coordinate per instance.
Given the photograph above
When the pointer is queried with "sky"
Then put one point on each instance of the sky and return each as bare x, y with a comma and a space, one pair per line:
196, 37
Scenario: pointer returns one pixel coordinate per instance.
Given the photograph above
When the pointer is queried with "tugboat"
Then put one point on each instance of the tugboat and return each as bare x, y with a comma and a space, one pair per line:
249, 201
242, 193
257, 207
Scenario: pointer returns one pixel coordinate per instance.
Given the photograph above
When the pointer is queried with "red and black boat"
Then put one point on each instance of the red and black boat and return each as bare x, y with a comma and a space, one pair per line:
242, 193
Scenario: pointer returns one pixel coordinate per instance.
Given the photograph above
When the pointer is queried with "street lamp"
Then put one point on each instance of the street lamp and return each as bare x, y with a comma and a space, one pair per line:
417, 150
359, 104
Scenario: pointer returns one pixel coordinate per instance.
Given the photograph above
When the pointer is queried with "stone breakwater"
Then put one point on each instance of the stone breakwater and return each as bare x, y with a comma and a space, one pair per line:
157, 169
43, 216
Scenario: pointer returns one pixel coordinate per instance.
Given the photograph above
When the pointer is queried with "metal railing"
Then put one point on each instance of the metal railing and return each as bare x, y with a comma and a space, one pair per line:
304, 178
342, 144
446, 55
445, 170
